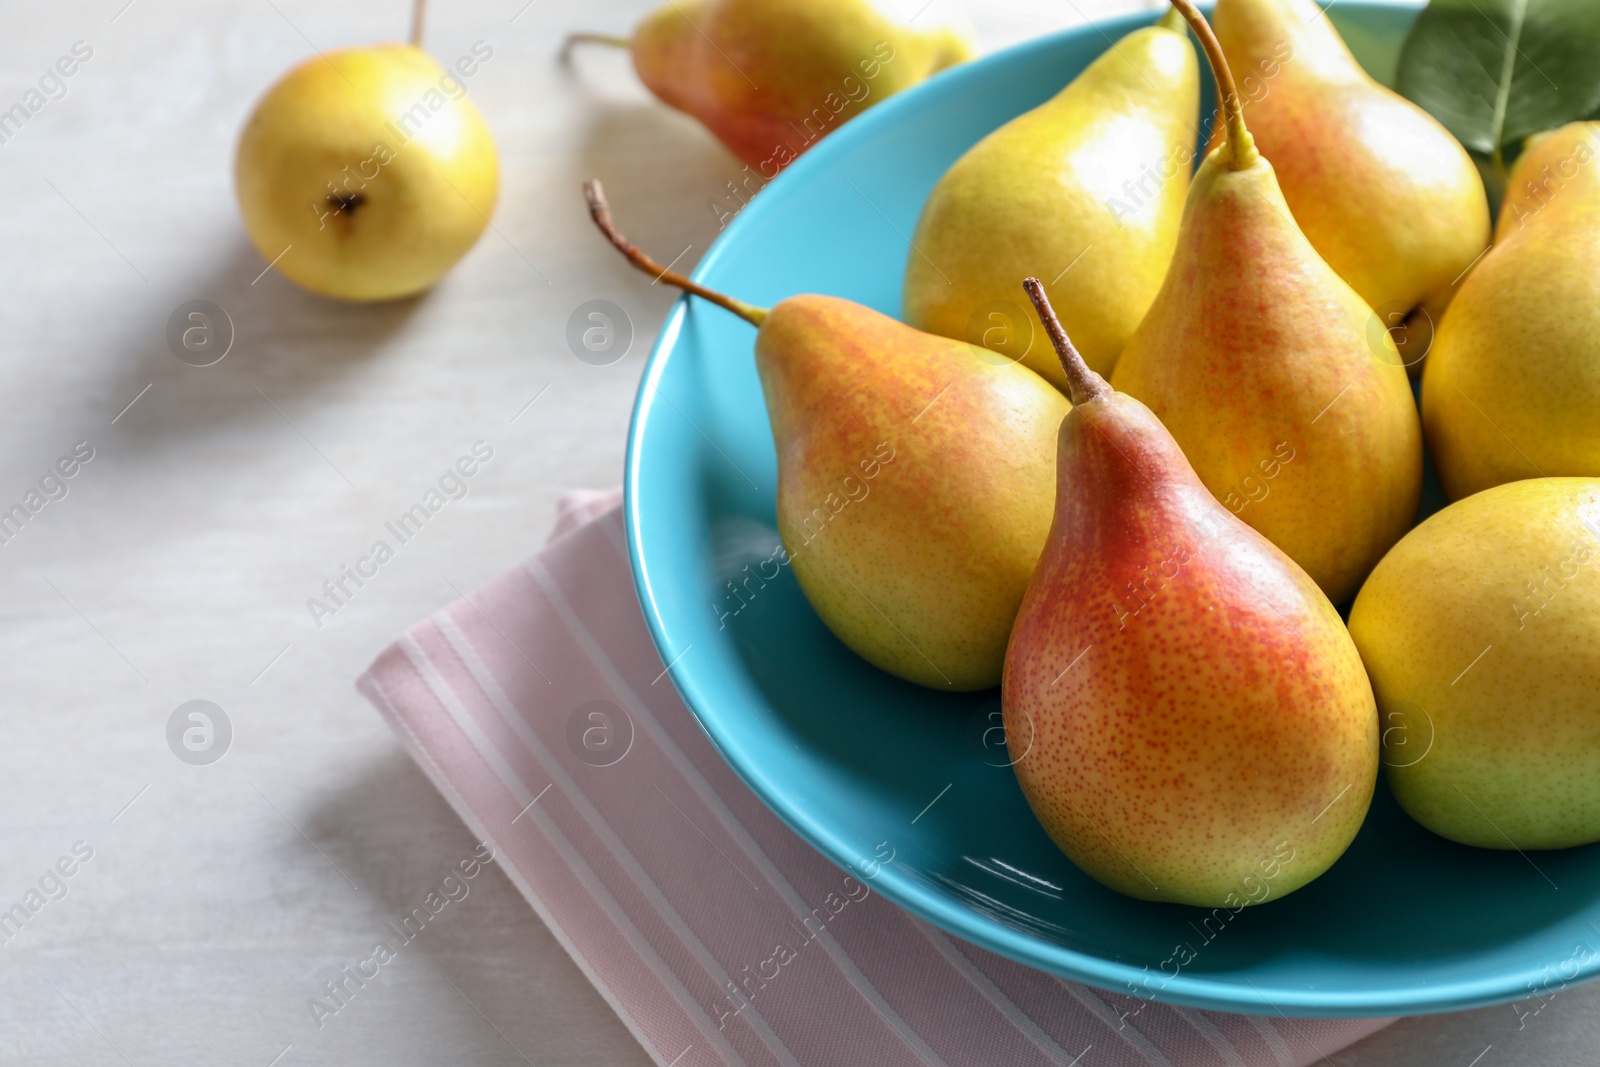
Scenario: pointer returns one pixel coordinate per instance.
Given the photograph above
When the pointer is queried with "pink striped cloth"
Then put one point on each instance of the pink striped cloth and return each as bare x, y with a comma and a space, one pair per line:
539, 707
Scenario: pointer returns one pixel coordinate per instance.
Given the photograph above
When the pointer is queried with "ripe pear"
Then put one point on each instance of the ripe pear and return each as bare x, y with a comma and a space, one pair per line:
1262, 363
914, 478
771, 77
1188, 716
1097, 173
1481, 631
1383, 191
366, 173
1512, 386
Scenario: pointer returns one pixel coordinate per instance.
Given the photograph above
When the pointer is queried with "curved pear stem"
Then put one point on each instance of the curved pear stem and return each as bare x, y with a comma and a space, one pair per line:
419, 15
600, 211
1084, 383
591, 38
1241, 146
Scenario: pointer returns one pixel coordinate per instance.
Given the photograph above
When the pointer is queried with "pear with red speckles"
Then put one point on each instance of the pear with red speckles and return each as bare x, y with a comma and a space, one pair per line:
915, 477
1187, 715
769, 77
1282, 388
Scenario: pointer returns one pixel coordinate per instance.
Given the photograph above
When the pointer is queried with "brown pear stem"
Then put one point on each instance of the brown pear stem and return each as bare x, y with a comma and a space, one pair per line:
591, 38
1084, 383
1241, 146
1172, 20
419, 14
600, 211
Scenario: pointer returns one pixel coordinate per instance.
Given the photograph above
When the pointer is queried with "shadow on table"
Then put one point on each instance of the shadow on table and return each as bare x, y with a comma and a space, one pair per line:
394, 835
484, 955
286, 344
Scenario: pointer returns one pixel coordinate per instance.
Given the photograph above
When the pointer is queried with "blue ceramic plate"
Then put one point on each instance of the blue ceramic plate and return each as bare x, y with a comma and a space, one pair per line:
857, 761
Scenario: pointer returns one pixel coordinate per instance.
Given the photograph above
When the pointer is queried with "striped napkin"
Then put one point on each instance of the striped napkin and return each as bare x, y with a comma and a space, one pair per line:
540, 709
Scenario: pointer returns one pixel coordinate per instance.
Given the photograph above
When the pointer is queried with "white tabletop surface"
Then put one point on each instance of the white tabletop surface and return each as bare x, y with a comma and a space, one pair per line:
219, 898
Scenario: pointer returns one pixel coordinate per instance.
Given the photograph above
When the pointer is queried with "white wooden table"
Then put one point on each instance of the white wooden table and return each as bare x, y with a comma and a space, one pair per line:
219, 898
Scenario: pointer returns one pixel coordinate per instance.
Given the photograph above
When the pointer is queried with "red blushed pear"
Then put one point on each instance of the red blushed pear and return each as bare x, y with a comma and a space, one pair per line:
1189, 718
1383, 191
915, 477
770, 77
1268, 370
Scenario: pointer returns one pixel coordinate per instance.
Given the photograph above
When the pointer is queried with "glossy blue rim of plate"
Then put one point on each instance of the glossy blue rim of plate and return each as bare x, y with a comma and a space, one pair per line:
699, 688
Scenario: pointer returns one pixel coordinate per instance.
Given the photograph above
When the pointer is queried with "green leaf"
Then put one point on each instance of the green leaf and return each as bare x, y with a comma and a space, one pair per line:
1495, 71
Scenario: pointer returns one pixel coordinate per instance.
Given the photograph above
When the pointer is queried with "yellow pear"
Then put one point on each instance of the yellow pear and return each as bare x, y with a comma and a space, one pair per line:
1511, 388
366, 173
1481, 631
1084, 191
915, 479
1383, 191
1259, 359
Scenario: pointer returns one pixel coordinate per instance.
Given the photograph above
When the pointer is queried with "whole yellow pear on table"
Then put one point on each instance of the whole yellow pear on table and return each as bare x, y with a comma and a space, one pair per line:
1512, 387
366, 173
1383, 191
1259, 359
1084, 190
915, 479
1186, 712
771, 77
1481, 631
